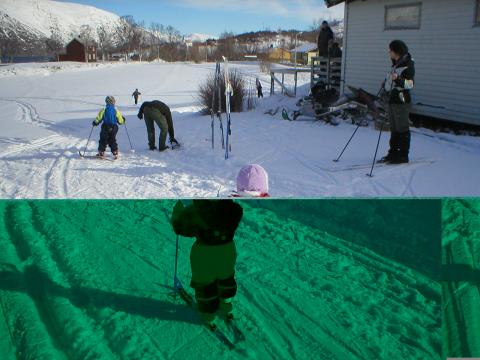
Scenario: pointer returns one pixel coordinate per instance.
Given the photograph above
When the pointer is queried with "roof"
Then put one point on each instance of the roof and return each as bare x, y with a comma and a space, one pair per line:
331, 3
307, 47
77, 39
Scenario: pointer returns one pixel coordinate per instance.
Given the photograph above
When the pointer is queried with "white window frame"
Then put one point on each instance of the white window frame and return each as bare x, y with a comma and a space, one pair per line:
476, 18
416, 27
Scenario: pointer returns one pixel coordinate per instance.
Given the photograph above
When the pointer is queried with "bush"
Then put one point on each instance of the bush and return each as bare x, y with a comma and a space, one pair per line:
207, 90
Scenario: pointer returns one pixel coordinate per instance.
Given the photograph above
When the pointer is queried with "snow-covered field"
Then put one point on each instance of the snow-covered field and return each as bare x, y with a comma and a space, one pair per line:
92, 280
46, 113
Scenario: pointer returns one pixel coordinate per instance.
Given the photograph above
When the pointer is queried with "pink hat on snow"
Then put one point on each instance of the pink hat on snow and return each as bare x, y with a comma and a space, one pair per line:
252, 180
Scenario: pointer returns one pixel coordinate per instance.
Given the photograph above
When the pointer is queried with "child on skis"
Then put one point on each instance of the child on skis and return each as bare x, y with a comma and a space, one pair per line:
213, 255
135, 95
252, 181
110, 118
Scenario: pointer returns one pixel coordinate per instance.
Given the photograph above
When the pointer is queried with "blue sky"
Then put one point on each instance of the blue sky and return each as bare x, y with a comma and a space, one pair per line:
213, 17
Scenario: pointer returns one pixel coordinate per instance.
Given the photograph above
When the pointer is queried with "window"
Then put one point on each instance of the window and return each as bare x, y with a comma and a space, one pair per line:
477, 13
401, 17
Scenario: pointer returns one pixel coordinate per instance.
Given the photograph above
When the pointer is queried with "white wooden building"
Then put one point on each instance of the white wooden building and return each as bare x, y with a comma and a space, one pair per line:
444, 39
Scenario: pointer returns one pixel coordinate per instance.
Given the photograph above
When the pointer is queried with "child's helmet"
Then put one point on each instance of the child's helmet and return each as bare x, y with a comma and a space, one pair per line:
110, 100
252, 180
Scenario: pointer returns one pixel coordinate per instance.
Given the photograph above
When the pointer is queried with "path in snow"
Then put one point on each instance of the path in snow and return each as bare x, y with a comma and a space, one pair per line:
45, 121
76, 283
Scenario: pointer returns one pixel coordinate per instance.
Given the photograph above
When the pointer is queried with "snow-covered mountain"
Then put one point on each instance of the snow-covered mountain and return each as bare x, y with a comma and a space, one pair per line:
38, 18
198, 37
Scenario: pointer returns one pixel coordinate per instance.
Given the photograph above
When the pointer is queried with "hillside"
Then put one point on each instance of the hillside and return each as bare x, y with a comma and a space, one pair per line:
27, 18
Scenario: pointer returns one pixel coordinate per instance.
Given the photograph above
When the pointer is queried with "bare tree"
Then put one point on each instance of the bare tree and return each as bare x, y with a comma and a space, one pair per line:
126, 33
105, 40
173, 38
9, 46
86, 35
227, 45
54, 43
156, 37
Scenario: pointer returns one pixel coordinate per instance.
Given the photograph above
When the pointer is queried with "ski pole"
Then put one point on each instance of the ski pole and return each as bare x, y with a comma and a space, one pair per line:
128, 136
348, 143
176, 262
86, 145
376, 151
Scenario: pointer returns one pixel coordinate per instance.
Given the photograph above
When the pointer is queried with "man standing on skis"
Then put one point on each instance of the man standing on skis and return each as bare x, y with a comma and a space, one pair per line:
135, 95
213, 255
398, 84
159, 113
110, 118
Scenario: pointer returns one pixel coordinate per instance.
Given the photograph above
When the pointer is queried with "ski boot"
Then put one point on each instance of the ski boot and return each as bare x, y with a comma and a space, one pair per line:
100, 155
386, 159
153, 148
115, 155
209, 320
399, 160
163, 148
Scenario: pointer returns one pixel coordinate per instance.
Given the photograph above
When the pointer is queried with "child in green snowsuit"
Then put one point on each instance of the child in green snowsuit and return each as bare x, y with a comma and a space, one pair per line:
213, 223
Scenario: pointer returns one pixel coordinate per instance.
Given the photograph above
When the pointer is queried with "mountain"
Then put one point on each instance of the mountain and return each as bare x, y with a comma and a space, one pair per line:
198, 37
27, 19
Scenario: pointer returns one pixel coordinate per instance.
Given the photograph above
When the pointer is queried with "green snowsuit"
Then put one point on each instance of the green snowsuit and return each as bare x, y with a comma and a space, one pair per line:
213, 255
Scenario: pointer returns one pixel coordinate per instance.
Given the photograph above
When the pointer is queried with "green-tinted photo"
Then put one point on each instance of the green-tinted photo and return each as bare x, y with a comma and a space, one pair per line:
461, 272
279, 279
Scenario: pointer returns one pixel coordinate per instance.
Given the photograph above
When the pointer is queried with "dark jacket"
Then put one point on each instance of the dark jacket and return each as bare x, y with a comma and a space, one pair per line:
335, 52
324, 37
164, 109
136, 93
400, 92
211, 222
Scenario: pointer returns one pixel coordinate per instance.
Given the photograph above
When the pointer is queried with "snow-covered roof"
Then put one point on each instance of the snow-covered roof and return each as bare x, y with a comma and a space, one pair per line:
304, 48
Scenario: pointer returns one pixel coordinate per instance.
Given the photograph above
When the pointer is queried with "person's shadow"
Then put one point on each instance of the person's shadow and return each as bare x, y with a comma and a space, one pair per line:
38, 285
460, 273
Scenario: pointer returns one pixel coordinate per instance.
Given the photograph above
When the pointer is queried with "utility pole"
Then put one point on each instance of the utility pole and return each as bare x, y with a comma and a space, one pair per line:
206, 50
296, 37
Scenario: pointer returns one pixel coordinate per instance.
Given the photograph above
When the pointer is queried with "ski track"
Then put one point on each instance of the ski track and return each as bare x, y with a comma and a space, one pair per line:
275, 323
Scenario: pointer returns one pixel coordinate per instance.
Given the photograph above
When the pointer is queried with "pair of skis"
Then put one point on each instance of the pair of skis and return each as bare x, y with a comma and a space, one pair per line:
83, 156
211, 329
228, 96
217, 91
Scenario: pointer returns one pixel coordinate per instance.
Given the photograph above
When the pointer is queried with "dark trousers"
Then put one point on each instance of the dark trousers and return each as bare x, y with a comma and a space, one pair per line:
136, 99
399, 118
209, 297
108, 136
260, 92
161, 121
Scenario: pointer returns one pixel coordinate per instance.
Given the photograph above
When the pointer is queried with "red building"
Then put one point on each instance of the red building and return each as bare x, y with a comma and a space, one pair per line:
76, 50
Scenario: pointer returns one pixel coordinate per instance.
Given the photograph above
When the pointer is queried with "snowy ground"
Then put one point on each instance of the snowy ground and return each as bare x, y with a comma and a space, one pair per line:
46, 114
75, 284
